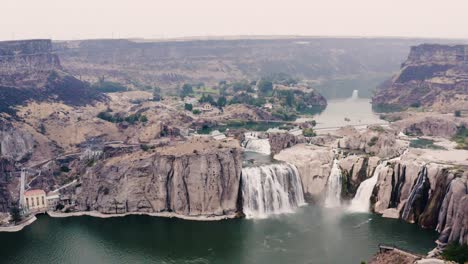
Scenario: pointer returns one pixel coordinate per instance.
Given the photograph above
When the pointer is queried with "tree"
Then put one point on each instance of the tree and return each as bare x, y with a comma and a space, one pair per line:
265, 86
157, 94
188, 107
457, 113
15, 213
207, 99
186, 90
456, 252
143, 119
289, 98
221, 101
308, 132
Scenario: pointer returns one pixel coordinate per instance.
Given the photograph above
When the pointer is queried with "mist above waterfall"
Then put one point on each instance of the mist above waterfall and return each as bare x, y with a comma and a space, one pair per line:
271, 189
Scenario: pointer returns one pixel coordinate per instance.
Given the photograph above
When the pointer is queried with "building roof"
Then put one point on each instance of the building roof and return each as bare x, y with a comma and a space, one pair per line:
34, 192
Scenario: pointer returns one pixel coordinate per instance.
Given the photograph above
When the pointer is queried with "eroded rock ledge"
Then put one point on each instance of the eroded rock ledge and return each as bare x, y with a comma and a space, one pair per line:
191, 179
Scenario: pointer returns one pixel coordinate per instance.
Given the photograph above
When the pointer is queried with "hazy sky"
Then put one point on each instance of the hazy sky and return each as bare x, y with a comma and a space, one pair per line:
78, 19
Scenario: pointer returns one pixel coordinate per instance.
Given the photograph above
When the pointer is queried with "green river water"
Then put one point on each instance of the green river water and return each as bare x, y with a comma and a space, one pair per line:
311, 235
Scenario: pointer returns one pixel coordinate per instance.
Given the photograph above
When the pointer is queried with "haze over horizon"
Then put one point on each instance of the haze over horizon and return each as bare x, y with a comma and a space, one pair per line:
88, 19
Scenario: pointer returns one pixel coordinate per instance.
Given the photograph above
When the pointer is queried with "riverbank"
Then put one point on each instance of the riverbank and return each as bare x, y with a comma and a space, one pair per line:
19, 227
163, 214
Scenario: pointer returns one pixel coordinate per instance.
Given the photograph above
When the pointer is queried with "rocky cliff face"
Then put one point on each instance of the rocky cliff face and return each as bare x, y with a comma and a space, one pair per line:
280, 141
31, 58
428, 194
198, 183
172, 63
375, 141
314, 164
433, 76
15, 144
30, 70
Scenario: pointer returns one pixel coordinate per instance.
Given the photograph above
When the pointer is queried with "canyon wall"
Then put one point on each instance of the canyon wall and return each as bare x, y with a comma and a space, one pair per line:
195, 184
31, 70
433, 76
329, 63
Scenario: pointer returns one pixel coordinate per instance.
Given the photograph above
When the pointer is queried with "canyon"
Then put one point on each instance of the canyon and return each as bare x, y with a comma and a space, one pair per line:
123, 153
433, 76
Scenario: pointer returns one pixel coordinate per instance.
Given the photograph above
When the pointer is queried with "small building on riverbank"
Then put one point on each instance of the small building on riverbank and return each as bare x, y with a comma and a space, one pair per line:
35, 200
53, 200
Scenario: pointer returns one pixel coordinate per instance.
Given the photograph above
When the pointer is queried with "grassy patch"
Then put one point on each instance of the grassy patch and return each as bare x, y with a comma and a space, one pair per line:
424, 144
461, 138
456, 252
205, 90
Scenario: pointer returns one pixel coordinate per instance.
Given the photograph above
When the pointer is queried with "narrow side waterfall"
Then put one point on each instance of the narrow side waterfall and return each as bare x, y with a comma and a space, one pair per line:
418, 191
253, 143
333, 195
361, 201
271, 189
355, 95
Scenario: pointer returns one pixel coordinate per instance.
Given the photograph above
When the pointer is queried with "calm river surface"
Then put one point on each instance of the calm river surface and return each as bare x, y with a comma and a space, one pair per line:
344, 112
312, 235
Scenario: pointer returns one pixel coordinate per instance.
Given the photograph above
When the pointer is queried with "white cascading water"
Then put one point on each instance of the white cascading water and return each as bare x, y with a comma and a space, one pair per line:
333, 195
271, 189
253, 143
355, 95
361, 201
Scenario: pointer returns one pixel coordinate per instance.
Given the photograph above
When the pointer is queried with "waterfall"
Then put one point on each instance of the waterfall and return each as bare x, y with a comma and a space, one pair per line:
333, 195
271, 189
418, 192
361, 201
355, 95
253, 143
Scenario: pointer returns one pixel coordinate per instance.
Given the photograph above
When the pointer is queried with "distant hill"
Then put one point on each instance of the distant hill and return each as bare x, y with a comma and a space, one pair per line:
29, 70
335, 66
434, 76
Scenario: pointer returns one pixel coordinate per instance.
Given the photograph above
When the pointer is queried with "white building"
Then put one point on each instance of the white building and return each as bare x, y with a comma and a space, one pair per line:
35, 200
52, 200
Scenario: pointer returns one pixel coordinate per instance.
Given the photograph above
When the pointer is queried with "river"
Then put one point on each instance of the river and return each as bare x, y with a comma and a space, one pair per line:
311, 235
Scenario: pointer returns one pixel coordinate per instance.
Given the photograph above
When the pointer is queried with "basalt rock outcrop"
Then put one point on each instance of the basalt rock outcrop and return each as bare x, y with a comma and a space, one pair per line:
30, 70
374, 141
191, 179
314, 164
428, 194
433, 76
15, 144
280, 141
355, 170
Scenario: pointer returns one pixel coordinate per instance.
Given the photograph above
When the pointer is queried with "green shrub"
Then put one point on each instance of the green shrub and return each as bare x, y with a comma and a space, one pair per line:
144, 147
457, 113
143, 119
373, 141
64, 169
456, 252
461, 138
188, 107
308, 132
196, 112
